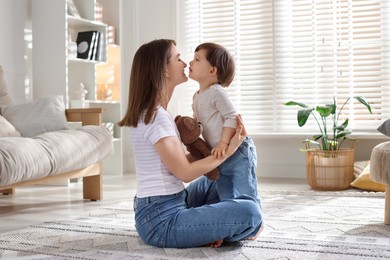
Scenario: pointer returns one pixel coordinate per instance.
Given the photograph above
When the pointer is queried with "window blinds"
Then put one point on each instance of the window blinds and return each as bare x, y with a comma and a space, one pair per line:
301, 50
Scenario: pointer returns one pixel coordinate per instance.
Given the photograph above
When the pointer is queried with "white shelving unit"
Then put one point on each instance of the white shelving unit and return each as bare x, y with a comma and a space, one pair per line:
53, 71
56, 73
113, 107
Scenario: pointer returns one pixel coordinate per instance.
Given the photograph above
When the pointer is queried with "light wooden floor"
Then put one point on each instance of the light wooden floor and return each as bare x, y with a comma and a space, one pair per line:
36, 204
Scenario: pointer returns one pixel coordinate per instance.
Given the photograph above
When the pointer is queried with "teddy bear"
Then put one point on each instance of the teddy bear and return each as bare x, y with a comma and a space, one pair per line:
190, 136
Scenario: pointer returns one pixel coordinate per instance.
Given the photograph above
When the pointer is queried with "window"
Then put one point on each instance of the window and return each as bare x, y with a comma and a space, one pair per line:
302, 50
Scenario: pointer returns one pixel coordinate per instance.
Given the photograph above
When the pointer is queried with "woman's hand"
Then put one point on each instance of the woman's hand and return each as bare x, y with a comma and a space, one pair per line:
237, 138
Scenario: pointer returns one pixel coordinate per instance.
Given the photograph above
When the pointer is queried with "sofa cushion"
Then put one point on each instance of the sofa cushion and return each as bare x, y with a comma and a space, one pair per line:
22, 159
364, 181
76, 149
6, 129
358, 167
5, 99
384, 128
52, 153
39, 116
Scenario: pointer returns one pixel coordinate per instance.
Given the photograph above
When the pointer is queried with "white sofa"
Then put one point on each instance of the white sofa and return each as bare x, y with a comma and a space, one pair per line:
36, 145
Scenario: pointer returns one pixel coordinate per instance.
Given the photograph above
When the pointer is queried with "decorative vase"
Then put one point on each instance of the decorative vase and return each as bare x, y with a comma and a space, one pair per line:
80, 92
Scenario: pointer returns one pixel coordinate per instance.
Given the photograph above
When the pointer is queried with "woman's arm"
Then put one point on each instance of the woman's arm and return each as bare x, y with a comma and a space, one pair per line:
173, 156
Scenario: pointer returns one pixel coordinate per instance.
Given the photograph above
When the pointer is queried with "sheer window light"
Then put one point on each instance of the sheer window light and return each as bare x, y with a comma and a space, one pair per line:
307, 51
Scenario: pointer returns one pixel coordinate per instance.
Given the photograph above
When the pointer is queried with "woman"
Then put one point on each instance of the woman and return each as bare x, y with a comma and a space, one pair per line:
168, 214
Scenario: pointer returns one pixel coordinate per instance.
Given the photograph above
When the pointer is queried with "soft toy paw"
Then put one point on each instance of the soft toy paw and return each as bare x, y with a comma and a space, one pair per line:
190, 136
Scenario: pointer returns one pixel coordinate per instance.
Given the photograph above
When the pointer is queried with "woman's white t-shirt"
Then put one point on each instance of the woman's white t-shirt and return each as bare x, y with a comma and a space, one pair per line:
153, 177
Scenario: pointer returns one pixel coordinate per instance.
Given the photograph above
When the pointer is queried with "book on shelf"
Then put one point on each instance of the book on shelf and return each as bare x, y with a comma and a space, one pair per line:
85, 44
96, 45
100, 48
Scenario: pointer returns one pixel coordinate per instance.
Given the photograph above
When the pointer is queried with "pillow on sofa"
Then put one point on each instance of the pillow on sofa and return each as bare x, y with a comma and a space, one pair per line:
5, 99
39, 116
364, 181
384, 128
6, 129
358, 167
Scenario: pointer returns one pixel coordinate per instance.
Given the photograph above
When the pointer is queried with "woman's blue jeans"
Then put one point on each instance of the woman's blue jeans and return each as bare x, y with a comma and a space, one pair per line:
195, 217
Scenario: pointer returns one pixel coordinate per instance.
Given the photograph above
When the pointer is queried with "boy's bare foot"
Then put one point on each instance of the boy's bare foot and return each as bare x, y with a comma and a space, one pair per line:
258, 233
215, 244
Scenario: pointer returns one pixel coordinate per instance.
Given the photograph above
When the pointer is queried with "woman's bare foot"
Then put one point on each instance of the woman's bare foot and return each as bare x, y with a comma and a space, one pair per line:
215, 244
258, 233
218, 243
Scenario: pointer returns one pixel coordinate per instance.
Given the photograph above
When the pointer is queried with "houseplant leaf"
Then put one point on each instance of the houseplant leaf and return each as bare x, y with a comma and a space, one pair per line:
363, 101
325, 111
316, 137
293, 103
303, 115
343, 125
342, 134
308, 142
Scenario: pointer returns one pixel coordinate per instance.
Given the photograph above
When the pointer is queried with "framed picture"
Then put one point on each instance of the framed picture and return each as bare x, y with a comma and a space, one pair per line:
72, 9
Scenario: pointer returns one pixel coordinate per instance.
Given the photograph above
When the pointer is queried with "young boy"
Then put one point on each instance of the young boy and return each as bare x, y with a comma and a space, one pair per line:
213, 68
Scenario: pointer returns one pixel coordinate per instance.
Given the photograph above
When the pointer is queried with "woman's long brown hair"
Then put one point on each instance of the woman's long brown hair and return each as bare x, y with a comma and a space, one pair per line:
147, 81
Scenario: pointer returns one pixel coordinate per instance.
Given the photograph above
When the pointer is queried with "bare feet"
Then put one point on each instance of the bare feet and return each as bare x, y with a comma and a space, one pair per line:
258, 233
215, 244
218, 243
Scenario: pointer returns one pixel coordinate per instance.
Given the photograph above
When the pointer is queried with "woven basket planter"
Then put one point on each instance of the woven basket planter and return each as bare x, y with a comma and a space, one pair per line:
329, 170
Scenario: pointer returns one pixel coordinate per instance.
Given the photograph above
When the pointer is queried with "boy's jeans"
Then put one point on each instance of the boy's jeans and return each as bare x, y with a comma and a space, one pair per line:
238, 173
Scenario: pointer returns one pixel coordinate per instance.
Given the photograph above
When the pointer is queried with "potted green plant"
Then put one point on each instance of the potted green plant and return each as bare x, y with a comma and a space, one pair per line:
329, 167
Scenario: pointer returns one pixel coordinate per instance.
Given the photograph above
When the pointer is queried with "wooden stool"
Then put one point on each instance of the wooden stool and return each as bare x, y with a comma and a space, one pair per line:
380, 172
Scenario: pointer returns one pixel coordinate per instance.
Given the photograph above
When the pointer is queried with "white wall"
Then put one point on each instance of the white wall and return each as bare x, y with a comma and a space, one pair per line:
13, 16
142, 21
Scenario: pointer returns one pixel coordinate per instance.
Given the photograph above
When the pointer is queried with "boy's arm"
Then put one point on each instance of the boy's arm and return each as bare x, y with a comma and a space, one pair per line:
220, 149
